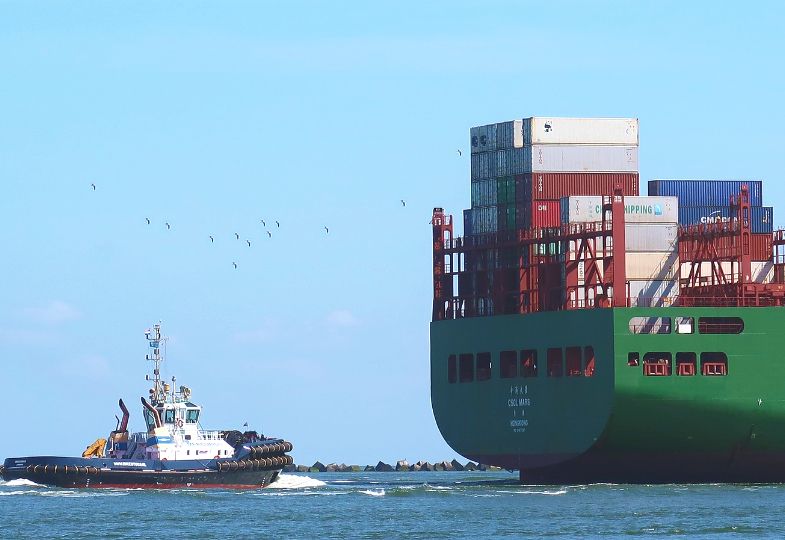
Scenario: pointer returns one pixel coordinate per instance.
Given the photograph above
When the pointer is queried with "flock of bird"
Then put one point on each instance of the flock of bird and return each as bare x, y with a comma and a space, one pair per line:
264, 223
236, 234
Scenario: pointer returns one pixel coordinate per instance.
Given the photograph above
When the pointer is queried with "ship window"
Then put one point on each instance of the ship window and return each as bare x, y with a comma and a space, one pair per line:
720, 325
650, 325
657, 364
555, 363
685, 325
529, 363
192, 416
685, 364
149, 419
633, 359
574, 362
452, 369
169, 416
466, 367
508, 364
588, 361
714, 364
483, 366
187, 452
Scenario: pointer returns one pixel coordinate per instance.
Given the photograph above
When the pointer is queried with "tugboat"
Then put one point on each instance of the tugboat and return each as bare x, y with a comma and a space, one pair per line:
174, 452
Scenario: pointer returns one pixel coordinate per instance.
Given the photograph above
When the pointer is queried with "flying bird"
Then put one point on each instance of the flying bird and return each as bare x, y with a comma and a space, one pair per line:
269, 234
93, 186
211, 239
403, 202
237, 235
327, 230
168, 226
263, 223
235, 265
277, 224
148, 220
249, 243
459, 152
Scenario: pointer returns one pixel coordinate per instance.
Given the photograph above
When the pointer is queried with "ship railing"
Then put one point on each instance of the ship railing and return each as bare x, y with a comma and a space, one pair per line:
201, 435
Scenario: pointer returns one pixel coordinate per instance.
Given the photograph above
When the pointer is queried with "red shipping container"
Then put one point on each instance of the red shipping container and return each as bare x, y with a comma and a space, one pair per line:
552, 186
540, 214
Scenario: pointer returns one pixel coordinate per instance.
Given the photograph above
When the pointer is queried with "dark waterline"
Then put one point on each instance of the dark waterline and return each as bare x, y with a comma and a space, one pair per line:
398, 505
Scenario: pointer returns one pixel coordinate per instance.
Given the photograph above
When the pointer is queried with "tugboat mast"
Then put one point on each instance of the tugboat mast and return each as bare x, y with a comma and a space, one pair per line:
158, 391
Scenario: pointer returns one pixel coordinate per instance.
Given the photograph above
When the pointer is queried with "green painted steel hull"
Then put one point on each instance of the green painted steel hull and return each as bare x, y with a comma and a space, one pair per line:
618, 425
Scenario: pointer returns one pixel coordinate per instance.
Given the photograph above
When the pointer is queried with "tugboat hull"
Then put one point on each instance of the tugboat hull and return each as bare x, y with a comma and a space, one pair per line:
108, 473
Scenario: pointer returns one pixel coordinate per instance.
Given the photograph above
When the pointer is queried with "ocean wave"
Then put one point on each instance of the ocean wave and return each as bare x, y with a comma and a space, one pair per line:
373, 492
561, 491
293, 481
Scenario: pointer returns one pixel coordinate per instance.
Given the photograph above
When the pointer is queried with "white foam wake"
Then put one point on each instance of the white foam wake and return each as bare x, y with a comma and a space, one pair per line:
293, 481
374, 492
21, 482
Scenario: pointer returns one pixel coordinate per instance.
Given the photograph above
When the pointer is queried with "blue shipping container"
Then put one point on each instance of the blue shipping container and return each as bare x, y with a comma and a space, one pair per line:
761, 218
467, 222
706, 192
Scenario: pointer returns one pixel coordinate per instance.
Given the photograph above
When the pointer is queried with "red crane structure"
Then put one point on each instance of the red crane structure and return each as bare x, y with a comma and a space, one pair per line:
574, 266
717, 258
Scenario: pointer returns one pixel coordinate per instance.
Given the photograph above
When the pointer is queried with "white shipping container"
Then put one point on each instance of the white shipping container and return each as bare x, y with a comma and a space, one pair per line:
651, 237
653, 293
762, 271
577, 158
603, 131
658, 266
637, 209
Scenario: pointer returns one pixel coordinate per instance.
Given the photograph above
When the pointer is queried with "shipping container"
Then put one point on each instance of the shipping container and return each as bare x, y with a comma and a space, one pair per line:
584, 209
762, 271
506, 217
578, 158
539, 215
485, 192
484, 220
657, 266
509, 134
651, 237
467, 222
761, 217
505, 190
539, 186
707, 192
643, 293
602, 131
483, 165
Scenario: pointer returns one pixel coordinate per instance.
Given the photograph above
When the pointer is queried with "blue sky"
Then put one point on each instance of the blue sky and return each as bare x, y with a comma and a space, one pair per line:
212, 116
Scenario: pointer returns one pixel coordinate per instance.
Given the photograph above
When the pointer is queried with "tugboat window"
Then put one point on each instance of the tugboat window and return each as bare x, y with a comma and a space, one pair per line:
148, 419
192, 416
169, 419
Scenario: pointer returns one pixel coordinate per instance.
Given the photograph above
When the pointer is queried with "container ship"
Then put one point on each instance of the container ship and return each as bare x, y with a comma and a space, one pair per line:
582, 332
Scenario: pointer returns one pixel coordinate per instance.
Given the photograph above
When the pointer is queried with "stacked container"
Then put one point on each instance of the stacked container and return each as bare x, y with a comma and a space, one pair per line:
708, 201
520, 169
651, 243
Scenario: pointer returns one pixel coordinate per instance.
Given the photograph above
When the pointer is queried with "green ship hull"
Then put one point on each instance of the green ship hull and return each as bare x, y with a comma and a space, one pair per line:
618, 420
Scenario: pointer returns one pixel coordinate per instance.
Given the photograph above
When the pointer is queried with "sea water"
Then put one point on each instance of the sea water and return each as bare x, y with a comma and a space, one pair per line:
396, 505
